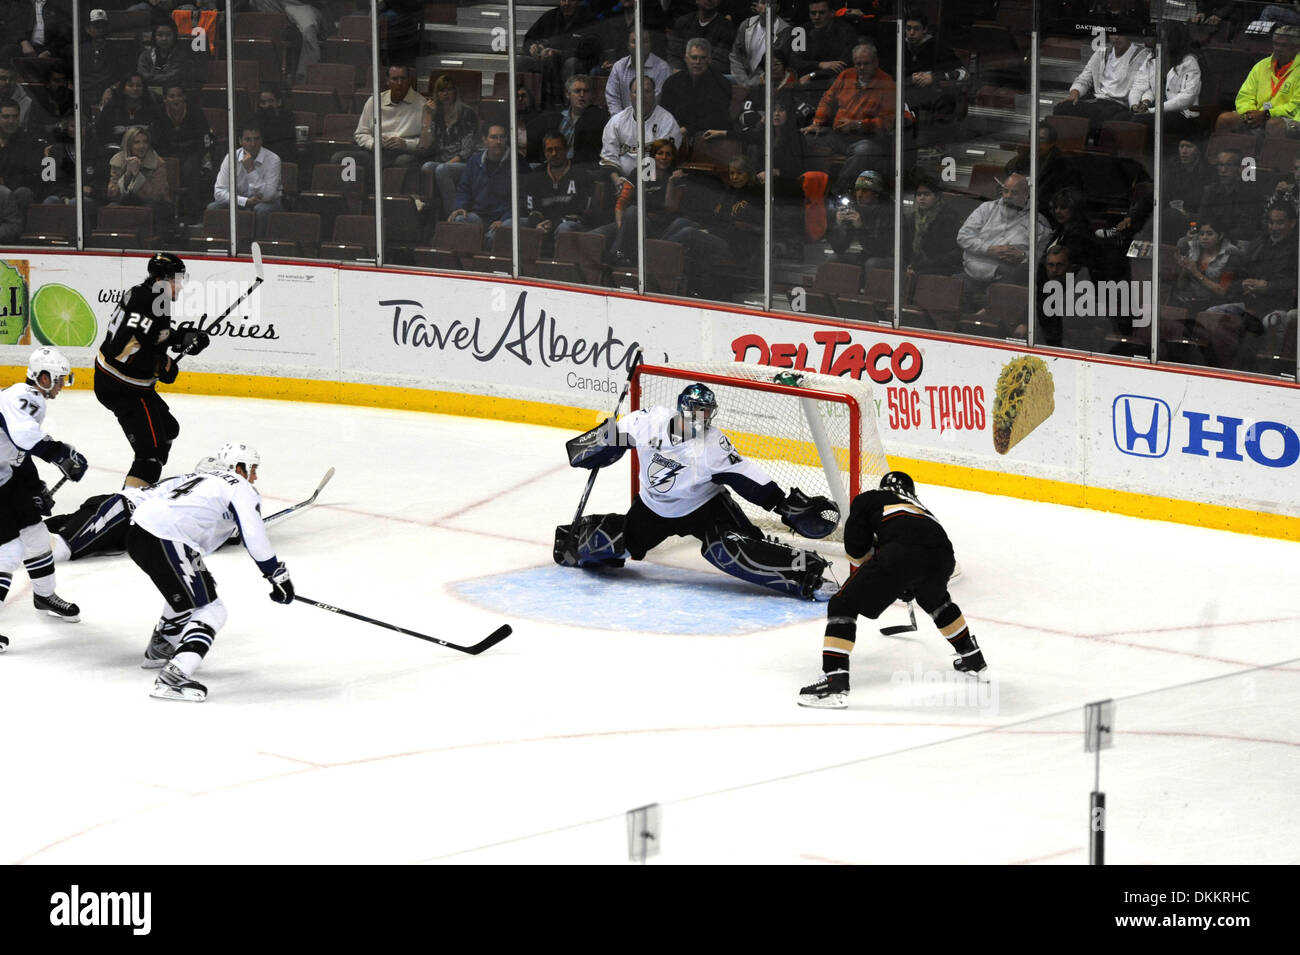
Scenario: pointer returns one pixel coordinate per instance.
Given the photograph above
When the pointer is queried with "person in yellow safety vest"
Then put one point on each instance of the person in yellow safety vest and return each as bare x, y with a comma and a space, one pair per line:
1269, 99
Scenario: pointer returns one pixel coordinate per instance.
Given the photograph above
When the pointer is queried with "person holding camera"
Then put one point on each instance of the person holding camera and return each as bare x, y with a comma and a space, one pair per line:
866, 219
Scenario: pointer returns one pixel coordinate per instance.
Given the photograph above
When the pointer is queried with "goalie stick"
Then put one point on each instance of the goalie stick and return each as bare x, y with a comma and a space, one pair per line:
293, 507
491, 640
902, 628
571, 544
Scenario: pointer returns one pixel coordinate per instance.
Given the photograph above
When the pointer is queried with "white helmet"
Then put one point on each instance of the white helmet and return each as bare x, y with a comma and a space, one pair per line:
208, 465
230, 456
47, 359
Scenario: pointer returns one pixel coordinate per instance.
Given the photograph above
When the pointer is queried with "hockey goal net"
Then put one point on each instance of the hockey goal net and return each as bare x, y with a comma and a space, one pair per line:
810, 431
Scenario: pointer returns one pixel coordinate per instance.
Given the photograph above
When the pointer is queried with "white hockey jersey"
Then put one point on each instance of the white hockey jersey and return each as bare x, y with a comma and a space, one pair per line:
677, 476
22, 415
202, 511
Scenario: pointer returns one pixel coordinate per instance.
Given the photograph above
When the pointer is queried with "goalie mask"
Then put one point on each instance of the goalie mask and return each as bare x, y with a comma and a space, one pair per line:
697, 407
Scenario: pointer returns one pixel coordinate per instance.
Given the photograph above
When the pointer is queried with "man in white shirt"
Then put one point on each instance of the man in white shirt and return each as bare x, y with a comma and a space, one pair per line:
1101, 91
401, 117
749, 52
623, 74
995, 239
619, 146
688, 469
257, 179
175, 524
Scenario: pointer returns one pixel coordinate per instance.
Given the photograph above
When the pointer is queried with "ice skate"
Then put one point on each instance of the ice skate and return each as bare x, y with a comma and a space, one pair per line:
173, 684
4, 643
158, 652
56, 606
831, 692
972, 663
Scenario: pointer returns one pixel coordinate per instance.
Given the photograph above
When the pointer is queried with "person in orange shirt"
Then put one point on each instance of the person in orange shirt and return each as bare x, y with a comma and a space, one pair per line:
858, 112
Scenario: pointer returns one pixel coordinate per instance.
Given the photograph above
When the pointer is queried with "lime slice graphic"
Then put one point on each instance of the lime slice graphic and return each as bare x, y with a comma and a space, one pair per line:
60, 316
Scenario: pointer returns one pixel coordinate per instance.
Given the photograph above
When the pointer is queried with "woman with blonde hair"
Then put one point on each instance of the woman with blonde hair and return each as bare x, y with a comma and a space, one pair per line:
448, 137
137, 176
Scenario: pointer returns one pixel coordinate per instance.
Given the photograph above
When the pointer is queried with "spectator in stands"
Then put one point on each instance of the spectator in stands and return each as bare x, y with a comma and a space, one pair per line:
54, 99
448, 138
581, 123
1286, 189
1268, 286
126, 104
1216, 20
1101, 91
401, 116
310, 23
137, 176
1205, 265
63, 191
183, 133
748, 59
257, 179
12, 218
165, 63
1185, 177
196, 18
705, 23
1057, 266
557, 199
931, 72
1073, 230
483, 195
859, 107
562, 42
37, 28
612, 34
1231, 200
798, 194
1182, 84
20, 158
29, 111
99, 68
868, 220
623, 74
1055, 170
995, 240
1271, 91
930, 233
620, 144
160, 11
699, 96
732, 224
658, 196
278, 124
825, 50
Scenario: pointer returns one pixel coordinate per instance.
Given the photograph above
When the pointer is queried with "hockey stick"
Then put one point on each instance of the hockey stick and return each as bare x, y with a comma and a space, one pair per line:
571, 542
902, 628
301, 504
257, 280
491, 640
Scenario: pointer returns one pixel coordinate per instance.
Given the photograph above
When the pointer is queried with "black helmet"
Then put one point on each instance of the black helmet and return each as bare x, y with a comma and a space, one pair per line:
694, 399
900, 482
165, 265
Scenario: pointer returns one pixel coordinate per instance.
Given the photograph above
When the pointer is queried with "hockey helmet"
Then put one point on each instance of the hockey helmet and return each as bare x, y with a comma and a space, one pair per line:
230, 456
697, 406
50, 360
166, 265
900, 482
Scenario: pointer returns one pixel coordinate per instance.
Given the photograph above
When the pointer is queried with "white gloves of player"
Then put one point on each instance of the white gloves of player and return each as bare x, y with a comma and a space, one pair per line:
281, 585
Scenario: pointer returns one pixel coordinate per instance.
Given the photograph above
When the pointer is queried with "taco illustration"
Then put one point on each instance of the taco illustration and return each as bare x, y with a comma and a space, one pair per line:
1025, 397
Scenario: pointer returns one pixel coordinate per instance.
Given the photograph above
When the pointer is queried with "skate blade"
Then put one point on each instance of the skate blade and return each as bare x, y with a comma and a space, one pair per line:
981, 675
832, 701
75, 618
183, 693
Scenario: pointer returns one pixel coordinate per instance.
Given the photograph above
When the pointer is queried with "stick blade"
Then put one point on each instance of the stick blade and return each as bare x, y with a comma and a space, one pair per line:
257, 259
894, 631
491, 640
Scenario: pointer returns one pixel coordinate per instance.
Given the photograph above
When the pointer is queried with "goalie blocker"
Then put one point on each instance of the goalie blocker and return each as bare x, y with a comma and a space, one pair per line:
688, 469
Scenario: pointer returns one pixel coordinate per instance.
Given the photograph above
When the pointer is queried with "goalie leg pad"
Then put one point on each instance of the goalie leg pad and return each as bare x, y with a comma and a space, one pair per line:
776, 566
596, 540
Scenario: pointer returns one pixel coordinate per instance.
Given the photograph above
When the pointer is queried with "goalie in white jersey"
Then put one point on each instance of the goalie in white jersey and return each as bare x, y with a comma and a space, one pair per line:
176, 523
23, 495
687, 468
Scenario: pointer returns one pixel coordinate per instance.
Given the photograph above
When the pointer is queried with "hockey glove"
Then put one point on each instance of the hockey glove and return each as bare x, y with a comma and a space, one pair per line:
281, 585
814, 517
71, 462
192, 341
43, 500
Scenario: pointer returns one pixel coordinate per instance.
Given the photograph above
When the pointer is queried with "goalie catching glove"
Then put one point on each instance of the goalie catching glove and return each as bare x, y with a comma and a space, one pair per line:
281, 585
814, 517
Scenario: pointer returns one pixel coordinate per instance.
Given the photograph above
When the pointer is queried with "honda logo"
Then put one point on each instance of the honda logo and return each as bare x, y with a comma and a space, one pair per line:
1141, 425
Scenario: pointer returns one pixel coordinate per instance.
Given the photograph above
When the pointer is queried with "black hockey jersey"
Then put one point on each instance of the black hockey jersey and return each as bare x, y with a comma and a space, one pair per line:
883, 517
135, 349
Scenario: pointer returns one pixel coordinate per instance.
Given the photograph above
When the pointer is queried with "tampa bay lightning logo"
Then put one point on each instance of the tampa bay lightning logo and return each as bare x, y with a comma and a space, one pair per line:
662, 473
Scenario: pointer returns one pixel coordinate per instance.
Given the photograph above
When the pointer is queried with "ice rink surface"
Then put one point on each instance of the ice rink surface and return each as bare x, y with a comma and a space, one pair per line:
328, 740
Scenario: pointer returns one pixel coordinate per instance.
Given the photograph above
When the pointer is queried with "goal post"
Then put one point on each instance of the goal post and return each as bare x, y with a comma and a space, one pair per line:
815, 432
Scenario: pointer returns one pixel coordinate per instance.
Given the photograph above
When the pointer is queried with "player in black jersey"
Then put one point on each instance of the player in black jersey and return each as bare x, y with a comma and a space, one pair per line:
902, 551
140, 350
